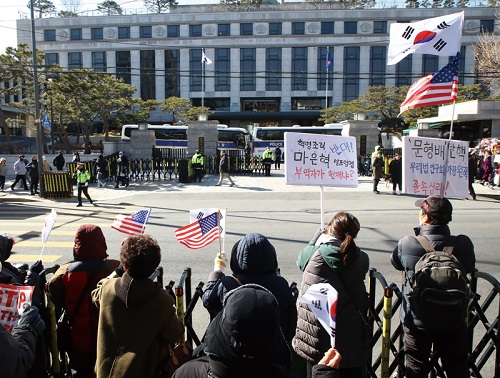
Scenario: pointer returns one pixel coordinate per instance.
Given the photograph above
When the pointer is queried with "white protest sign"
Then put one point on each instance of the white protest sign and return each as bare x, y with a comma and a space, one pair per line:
322, 301
325, 160
197, 214
433, 166
12, 298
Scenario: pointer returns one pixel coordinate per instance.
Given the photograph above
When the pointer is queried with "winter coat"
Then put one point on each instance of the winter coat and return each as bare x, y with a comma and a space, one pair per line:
17, 351
408, 252
224, 164
46, 166
378, 168
322, 263
487, 168
67, 283
33, 169
137, 320
253, 260
20, 168
396, 169
59, 162
3, 170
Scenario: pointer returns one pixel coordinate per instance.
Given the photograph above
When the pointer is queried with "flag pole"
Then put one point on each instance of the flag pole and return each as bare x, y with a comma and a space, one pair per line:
221, 244
322, 204
443, 186
203, 78
326, 88
146, 221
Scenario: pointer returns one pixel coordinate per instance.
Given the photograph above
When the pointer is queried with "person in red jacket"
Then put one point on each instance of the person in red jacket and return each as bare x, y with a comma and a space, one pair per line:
70, 288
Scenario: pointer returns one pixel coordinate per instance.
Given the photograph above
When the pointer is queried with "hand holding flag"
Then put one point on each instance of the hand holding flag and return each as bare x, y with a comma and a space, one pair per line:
200, 233
322, 301
220, 262
134, 224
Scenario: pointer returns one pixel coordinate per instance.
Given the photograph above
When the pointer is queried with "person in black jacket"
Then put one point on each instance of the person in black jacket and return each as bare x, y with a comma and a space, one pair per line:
59, 161
253, 260
396, 171
224, 169
451, 344
34, 175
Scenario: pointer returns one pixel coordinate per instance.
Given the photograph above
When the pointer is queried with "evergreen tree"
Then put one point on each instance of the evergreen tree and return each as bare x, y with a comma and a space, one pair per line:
42, 7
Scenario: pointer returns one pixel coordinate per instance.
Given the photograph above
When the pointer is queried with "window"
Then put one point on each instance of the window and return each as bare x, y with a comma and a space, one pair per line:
275, 28
298, 28
145, 32
51, 58
148, 82
299, 68
123, 66
247, 69
99, 61
195, 69
173, 31
487, 26
350, 27
172, 74
195, 31
273, 69
246, 29
222, 70
429, 64
309, 103
403, 71
123, 32
219, 104
260, 105
75, 34
49, 35
377, 65
96, 33
351, 73
461, 65
223, 30
323, 71
380, 27
74, 60
327, 28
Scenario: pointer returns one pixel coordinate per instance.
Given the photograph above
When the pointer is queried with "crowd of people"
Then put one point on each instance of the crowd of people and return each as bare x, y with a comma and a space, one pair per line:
122, 323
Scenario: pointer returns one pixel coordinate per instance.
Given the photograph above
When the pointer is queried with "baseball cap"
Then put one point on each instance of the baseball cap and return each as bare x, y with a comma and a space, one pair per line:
437, 207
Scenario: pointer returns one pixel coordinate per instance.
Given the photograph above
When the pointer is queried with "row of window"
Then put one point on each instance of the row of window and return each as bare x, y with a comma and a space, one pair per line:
173, 31
299, 76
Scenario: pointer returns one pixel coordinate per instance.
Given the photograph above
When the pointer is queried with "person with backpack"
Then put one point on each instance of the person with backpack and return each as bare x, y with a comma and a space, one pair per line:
435, 291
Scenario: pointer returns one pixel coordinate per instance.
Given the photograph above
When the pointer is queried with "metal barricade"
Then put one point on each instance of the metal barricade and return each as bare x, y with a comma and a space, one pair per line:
57, 185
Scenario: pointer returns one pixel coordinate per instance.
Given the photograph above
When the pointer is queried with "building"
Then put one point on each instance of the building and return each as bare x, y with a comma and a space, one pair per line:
269, 62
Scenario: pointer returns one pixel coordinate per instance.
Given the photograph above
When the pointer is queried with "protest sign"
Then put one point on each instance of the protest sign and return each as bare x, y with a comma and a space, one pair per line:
12, 298
325, 160
433, 166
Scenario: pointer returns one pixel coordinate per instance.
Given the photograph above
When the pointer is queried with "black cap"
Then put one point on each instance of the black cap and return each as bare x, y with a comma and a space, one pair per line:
436, 207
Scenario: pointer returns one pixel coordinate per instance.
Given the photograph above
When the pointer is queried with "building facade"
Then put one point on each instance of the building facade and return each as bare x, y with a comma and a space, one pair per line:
269, 64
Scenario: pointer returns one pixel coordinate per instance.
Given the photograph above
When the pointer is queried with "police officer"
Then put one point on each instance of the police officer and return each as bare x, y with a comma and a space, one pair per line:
197, 164
82, 181
268, 159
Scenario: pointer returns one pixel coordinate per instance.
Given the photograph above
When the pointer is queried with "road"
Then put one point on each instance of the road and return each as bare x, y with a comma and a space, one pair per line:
288, 216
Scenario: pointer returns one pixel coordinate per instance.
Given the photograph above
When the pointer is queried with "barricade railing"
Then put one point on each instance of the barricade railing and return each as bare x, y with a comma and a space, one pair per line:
57, 185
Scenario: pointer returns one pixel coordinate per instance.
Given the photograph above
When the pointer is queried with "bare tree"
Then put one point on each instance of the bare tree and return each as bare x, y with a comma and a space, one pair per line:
71, 5
159, 6
488, 59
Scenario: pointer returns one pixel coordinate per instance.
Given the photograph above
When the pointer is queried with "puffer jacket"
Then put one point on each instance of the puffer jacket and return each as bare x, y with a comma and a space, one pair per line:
253, 260
137, 320
322, 263
408, 252
17, 351
67, 284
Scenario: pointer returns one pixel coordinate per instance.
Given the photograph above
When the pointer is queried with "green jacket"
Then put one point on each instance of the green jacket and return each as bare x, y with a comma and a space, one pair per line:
197, 159
82, 176
268, 154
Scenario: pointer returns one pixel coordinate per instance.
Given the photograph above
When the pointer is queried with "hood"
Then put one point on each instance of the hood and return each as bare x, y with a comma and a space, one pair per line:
90, 243
249, 332
254, 254
6, 243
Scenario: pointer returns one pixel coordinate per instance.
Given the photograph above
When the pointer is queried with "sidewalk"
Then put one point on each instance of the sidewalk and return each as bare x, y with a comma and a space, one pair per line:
244, 183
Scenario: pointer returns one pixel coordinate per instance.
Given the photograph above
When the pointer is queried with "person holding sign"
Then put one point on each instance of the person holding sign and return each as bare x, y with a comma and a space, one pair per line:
332, 257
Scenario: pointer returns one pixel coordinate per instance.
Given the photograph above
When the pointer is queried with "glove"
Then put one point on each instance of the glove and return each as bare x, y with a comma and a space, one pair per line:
220, 262
37, 267
318, 233
31, 320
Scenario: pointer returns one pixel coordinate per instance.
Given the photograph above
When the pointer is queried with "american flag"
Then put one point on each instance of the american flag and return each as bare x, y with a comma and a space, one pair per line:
199, 234
438, 88
132, 224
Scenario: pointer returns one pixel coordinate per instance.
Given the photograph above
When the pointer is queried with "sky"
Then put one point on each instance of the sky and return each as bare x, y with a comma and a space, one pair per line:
10, 13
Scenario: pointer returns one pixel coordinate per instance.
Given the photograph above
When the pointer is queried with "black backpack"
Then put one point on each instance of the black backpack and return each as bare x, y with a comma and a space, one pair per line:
440, 288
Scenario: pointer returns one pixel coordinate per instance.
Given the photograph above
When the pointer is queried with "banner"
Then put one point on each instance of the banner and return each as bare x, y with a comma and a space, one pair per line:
326, 160
12, 298
433, 166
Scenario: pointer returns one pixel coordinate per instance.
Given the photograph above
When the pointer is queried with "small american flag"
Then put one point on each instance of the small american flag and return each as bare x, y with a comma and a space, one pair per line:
436, 89
199, 234
132, 224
